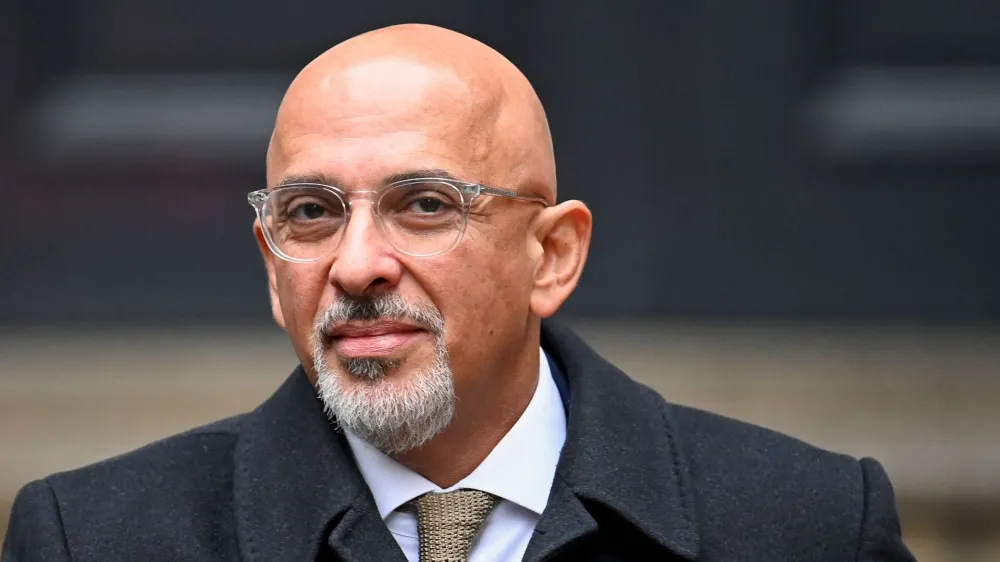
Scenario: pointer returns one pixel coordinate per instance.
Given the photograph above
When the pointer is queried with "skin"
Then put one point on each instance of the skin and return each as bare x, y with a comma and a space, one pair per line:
415, 97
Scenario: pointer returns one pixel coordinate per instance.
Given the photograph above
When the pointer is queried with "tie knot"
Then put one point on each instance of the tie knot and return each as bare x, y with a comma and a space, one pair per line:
448, 523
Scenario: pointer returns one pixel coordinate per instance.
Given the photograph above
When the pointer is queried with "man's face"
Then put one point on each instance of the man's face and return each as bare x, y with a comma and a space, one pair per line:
455, 315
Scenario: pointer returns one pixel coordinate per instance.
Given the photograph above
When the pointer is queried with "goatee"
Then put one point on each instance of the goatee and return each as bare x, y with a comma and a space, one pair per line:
393, 414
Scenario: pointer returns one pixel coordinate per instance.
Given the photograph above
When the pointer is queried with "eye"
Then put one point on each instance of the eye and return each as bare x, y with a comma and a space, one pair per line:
422, 204
423, 200
306, 211
425, 204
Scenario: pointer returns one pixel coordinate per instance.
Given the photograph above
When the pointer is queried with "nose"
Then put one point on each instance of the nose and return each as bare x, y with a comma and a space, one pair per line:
365, 262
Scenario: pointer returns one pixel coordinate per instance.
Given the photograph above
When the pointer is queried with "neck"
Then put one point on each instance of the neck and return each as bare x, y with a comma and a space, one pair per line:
484, 414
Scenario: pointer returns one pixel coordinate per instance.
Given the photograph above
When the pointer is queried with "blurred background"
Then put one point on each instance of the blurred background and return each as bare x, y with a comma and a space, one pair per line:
796, 218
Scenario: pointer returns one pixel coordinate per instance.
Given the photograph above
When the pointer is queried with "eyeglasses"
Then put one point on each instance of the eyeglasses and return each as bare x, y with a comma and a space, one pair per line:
421, 217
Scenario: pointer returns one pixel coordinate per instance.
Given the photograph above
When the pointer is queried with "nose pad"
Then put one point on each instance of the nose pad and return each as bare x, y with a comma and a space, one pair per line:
374, 219
353, 197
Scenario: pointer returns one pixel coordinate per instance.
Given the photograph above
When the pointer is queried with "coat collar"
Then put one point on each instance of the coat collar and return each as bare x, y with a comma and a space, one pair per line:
621, 448
297, 489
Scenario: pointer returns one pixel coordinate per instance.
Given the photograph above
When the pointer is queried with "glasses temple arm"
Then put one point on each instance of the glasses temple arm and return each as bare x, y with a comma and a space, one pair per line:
511, 194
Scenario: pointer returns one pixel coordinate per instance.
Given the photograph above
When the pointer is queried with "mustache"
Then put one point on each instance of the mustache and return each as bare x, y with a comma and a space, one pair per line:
387, 306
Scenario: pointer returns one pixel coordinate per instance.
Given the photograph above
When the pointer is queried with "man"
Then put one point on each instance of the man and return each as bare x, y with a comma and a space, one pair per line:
413, 244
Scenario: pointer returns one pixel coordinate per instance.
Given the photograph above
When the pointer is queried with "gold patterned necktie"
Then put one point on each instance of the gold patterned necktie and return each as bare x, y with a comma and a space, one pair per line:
448, 522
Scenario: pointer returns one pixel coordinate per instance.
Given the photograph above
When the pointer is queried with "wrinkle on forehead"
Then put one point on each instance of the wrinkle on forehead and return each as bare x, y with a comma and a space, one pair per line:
451, 87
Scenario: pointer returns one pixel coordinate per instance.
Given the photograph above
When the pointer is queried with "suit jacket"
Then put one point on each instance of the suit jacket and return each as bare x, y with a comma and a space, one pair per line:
638, 479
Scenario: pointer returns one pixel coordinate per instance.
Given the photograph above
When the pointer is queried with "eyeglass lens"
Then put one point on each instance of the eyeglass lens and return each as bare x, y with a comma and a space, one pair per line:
417, 218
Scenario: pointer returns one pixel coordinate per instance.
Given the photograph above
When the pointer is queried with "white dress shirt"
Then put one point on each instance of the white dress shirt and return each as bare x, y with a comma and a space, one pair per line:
519, 470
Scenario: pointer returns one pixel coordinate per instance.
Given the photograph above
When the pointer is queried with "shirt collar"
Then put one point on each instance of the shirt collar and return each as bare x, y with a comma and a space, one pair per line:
520, 468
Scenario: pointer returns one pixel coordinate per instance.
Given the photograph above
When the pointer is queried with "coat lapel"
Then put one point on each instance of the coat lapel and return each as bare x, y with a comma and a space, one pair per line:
620, 451
362, 535
297, 490
296, 486
565, 520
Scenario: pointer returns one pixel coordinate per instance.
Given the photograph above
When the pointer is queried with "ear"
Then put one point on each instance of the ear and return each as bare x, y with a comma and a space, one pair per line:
270, 261
559, 250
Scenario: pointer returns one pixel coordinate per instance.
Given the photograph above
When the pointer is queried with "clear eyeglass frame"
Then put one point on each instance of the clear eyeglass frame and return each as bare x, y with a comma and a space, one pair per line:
468, 192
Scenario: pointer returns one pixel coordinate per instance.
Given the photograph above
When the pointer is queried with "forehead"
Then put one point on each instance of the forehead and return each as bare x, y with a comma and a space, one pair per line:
388, 113
390, 85
364, 162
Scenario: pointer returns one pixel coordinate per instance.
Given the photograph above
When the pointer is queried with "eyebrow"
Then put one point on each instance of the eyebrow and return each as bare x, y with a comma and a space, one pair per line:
420, 173
326, 179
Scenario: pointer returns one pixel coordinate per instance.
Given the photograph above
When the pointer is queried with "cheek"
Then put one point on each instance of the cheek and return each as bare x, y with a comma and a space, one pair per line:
509, 273
301, 289
482, 290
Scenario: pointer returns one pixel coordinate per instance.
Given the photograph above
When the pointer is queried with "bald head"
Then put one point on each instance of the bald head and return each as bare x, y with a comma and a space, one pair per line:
403, 102
425, 88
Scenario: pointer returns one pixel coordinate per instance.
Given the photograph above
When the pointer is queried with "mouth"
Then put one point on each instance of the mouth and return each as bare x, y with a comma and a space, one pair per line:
354, 340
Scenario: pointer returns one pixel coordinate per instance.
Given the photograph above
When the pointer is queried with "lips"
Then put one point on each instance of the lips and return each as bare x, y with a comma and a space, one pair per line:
368, 340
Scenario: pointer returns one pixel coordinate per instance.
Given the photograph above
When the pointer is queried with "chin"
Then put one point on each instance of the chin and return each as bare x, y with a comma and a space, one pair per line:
394, 404
399, 365
370, 369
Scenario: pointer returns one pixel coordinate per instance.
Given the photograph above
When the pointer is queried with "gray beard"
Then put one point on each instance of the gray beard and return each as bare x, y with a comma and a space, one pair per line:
369, 368
392, 415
